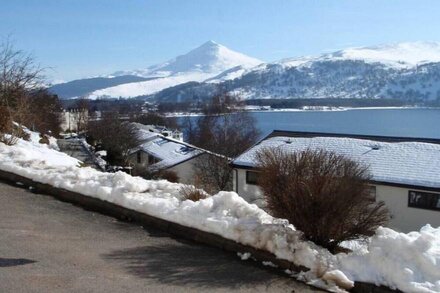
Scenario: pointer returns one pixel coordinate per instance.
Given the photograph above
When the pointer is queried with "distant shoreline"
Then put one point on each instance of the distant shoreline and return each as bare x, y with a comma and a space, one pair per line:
311, 109
336, 109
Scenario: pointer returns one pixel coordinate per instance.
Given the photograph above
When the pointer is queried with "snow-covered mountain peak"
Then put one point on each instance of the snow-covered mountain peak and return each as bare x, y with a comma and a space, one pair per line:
202, 63
210, 57
210, 44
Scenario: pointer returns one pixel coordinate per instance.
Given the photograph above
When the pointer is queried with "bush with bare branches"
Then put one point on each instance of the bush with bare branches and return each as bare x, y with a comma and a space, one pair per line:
169, 175
323, 194
192, 193
145, 173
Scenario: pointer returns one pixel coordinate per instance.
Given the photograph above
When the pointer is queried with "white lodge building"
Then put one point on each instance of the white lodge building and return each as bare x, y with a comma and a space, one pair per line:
405, 171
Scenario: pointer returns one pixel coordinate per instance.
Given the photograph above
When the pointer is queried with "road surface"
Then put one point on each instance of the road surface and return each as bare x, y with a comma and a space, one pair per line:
51, 246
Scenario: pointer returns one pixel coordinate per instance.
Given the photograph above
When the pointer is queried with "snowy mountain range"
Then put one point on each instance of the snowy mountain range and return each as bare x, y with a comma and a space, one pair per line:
409, 71
204, 62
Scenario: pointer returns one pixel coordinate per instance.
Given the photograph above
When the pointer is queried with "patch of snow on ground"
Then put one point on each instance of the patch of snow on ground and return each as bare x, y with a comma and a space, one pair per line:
244, 256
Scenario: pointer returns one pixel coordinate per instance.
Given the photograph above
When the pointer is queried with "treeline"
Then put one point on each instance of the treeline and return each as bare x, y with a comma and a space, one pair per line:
331, 102
122, 106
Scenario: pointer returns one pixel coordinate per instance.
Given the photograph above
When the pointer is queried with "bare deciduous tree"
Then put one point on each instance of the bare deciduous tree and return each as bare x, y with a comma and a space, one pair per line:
213, 173
117, 137
226, 130
82, 107
19, 75
46, 116
323, 194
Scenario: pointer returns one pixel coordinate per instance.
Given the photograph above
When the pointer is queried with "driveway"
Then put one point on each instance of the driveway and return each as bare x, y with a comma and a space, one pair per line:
51, 246
75, 148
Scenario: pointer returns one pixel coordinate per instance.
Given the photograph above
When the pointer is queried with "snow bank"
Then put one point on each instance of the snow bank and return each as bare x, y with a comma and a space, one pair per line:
409, 262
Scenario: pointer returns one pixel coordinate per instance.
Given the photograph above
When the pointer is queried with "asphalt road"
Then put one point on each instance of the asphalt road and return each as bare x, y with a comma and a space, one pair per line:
51, 246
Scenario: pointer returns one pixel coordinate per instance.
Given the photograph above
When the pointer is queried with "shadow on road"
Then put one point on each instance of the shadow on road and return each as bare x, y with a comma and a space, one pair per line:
12, 262
191, 265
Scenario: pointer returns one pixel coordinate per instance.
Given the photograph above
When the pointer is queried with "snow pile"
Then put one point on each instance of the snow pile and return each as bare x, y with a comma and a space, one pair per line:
405, 261
225, 213
29, 156
409, 262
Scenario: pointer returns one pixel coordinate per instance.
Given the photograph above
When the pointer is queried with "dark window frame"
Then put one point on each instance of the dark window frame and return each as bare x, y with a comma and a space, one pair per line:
152, 159
139, 157
250, 181
430, 203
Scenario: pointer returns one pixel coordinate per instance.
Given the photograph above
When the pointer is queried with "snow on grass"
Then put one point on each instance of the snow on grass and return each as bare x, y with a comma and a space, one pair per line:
410, 262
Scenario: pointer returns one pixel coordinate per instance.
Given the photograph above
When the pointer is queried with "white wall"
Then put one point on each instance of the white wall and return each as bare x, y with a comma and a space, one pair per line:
70, 120
251, 193
132, 160
185, 171
403, 219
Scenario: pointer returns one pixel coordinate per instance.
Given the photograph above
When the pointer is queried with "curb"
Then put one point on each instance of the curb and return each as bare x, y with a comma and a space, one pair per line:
172, 228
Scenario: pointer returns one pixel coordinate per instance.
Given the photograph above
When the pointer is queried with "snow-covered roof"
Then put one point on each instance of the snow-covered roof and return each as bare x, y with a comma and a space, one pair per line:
169, 151
408, 162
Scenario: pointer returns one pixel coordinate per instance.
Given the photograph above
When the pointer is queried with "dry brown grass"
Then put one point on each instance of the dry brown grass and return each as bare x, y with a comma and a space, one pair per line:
192, 193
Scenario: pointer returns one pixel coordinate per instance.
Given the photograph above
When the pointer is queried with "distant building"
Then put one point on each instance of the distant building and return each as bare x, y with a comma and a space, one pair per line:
165, 150
405, 171
74, 120
170, 133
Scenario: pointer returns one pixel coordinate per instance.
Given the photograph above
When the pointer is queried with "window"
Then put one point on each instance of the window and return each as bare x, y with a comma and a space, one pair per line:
152, 160
424, 200
139, 157
251, 177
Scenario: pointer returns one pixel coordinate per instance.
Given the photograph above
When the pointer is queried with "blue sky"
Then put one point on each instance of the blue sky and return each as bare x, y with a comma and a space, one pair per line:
79, 38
